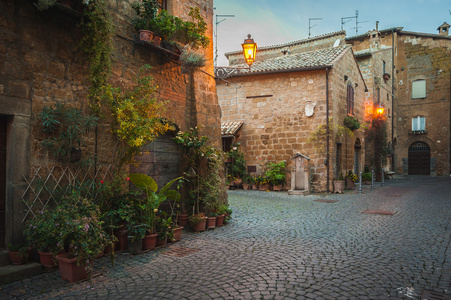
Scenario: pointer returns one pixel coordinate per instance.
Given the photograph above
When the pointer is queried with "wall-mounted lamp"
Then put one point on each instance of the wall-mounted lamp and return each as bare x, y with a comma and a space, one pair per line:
249, 50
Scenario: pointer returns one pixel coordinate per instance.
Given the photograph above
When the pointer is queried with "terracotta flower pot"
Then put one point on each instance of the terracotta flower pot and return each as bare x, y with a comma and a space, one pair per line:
254, 187
135, 245
17, 258
146, 35
245, 186
156, 40
177, 232
211, 222
339, 186
150, 241
69, 269
46, 259
162, 242
183, 219
277, 187
122, 238
264, 187
350, 184
220, 221
201, 226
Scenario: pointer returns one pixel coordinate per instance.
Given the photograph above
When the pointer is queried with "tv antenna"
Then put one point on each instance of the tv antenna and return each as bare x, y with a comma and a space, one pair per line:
216, 33
356, 17
311, 26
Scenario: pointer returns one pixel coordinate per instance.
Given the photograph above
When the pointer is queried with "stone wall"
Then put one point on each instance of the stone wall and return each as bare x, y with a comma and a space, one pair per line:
428, 58
41, 64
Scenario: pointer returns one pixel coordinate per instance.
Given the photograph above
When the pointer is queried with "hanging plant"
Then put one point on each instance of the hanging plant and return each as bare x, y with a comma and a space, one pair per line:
352, 123
190, 59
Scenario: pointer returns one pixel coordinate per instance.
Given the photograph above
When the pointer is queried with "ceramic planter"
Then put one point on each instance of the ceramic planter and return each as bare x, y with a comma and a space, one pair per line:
146, 35
183, 220
350, 184
339, 186
220, 221
277, 187
150, 242
211, 222
162, 242
201, 226
177, 233
264, 187
135, 245
69, 269
245, 186
254, 187
46, 259
17, 258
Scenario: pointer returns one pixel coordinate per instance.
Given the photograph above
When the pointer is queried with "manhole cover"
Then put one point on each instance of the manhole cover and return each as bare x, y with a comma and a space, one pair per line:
180, 251
379, 212
326, 201
431, 295
394, 195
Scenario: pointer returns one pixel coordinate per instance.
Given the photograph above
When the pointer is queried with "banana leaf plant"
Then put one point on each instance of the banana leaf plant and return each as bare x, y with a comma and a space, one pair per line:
153, 199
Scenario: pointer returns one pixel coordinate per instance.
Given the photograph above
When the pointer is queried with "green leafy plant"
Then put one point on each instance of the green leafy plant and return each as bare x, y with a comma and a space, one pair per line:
97, 43
73, 226
191, 59
153, 199
22, 249
276, 172
224, 209
146, 12
44, 4
366, 176
135, 114
351, 122
237, 166
65, 128
196, 218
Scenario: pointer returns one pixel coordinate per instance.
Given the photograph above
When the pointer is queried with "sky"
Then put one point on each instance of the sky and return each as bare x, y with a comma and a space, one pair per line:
272, 22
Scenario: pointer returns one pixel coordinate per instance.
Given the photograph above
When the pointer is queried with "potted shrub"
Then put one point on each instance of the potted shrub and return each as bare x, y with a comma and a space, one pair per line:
351, 122
152, 202
339, 184
350, 180
237, 167
146, 12
366, 178
18, 254
198, 222
276, 174
263, 183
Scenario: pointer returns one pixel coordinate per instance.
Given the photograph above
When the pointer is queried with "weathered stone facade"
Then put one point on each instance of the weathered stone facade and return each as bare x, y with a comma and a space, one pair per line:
423, 57
272, 106
41, 64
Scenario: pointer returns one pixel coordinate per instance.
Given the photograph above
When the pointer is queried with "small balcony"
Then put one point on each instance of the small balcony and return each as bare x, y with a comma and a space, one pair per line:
417, 132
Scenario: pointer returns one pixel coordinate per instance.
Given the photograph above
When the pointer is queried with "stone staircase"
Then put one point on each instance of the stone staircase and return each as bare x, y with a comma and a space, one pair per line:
9, 272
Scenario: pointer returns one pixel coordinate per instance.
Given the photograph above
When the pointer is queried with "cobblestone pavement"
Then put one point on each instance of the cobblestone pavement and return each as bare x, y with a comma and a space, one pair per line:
289, 247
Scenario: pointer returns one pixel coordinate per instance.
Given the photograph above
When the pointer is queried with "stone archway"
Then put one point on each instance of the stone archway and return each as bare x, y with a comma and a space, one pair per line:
419, 159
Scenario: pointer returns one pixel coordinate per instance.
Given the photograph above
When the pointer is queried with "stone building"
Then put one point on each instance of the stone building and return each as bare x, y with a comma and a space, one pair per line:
284, 98
41, 64
419, 109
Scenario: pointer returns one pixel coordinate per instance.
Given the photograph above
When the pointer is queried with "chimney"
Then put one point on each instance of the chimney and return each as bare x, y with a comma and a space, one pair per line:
377, 25
444, 29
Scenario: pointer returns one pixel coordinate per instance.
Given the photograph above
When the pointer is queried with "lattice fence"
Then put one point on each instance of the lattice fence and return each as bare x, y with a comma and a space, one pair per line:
47, 185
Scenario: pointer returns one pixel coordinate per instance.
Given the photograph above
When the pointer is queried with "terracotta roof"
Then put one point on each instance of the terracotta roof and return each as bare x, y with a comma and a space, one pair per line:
306, 60
364, 35
230, 128
307, 40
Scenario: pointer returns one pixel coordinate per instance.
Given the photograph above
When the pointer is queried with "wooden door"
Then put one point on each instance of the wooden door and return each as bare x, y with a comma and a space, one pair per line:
419, 159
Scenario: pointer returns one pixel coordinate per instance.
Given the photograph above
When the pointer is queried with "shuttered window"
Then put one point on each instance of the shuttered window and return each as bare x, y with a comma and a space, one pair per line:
419, 89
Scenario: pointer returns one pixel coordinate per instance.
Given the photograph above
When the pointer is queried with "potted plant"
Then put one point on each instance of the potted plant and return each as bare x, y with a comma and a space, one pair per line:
237, 167
339, 184
191, 60
146, 12
18, 254
351, 122
73, 227
152, 202
366, 178
276, 174
350, 180
227, 213
221, 212
263, 183
248, 181
198, 222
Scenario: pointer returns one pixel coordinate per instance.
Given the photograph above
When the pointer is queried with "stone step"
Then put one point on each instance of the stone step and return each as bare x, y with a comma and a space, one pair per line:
12, 273
4, 258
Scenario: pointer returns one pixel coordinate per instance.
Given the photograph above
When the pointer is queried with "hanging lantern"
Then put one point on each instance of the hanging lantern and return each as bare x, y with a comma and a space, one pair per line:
249, 50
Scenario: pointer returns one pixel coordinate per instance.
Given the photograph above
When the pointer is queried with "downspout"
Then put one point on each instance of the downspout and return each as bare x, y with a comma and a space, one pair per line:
327, 126
393, 99
449, 147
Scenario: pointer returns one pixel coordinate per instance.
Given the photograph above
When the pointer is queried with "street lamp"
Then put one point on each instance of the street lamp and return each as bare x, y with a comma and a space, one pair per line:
380, 111
249, 49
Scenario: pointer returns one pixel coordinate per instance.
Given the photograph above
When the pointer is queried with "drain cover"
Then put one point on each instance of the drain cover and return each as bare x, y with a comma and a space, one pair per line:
180, 251
326, 201
431, 295
379, 212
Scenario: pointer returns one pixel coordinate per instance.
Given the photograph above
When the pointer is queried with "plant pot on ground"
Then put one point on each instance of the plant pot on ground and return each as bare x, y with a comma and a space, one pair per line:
198, 222
211, 222
18, 254
69, 269
177, 233
149, 241
220, 220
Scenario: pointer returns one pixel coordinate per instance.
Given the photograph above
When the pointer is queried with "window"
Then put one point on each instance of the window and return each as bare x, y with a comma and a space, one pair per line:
350, 99
383, 71
418, 123
419, 89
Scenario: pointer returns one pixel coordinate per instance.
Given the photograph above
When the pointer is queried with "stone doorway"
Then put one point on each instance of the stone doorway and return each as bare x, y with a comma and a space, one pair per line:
3, 126
419, 160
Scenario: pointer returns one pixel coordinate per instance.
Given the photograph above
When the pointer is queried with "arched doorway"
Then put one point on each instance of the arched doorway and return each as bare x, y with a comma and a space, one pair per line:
419, 159
160, 160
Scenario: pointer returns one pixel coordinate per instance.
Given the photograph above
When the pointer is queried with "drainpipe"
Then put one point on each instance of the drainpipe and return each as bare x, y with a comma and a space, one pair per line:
449, 147
393, 98
327, 126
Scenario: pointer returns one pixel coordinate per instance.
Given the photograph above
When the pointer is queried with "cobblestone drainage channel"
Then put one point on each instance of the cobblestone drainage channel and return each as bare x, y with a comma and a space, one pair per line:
379, 212
431, 295
326, 201
180, 251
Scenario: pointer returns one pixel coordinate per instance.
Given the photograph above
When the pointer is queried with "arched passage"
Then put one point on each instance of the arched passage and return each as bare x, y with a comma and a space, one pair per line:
419, 159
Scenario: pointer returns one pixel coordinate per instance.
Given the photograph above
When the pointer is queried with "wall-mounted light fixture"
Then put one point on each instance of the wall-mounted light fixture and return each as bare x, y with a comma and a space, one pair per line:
249, 50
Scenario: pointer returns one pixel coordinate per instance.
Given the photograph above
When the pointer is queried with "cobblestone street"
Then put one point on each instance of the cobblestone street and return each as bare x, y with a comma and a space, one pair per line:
289, 247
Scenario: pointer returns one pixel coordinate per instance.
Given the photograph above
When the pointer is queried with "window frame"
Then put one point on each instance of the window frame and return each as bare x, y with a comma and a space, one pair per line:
416, 123
415, 87
350, 99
